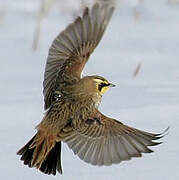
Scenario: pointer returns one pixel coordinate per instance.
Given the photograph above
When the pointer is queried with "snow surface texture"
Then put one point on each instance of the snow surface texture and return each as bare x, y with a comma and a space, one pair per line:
149, 102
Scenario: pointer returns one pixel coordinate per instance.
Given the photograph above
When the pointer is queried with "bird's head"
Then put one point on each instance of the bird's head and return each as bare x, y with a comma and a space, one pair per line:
97, 84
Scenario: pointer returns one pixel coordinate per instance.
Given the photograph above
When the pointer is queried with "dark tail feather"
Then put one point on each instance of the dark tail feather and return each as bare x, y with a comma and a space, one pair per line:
53, 161
50, 164
27, 153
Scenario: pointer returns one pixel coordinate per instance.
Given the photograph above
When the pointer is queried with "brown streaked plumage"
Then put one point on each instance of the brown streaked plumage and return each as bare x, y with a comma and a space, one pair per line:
71, 104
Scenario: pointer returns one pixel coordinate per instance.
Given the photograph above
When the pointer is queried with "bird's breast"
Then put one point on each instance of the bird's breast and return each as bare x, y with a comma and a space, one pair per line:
97, 100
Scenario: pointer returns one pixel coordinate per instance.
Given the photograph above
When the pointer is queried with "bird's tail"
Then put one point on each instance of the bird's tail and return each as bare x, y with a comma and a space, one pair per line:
42, 152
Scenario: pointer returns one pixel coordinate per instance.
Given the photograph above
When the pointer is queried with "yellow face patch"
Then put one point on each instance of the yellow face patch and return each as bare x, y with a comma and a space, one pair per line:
102, 86
104, 89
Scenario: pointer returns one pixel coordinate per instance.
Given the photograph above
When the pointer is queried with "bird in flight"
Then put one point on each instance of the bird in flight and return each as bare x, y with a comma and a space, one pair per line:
72, 101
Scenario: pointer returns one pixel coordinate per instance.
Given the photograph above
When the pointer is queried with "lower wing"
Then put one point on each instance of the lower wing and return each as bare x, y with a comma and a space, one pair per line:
101, 140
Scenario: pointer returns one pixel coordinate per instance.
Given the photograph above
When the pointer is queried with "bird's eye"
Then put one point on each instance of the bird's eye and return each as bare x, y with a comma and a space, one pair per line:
101, 85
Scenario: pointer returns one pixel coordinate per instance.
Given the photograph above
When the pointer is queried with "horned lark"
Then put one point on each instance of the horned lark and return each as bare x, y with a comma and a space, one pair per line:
72, 102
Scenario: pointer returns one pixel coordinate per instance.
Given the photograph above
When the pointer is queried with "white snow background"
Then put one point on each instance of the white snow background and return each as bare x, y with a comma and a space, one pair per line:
149, 102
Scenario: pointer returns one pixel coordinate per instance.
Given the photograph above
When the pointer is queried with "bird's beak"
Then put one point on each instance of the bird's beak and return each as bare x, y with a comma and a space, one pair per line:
111, 85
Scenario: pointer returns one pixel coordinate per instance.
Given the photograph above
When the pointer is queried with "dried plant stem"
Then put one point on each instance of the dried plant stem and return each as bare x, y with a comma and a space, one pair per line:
36, 37
2, 15
137, 69
45, 7
173, 2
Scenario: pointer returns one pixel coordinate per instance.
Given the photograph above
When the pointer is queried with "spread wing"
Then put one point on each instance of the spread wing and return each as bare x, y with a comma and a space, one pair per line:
71, 49
104, 141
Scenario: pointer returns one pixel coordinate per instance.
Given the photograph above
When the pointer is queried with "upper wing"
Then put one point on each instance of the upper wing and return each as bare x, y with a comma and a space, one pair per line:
71, 49
105, 141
